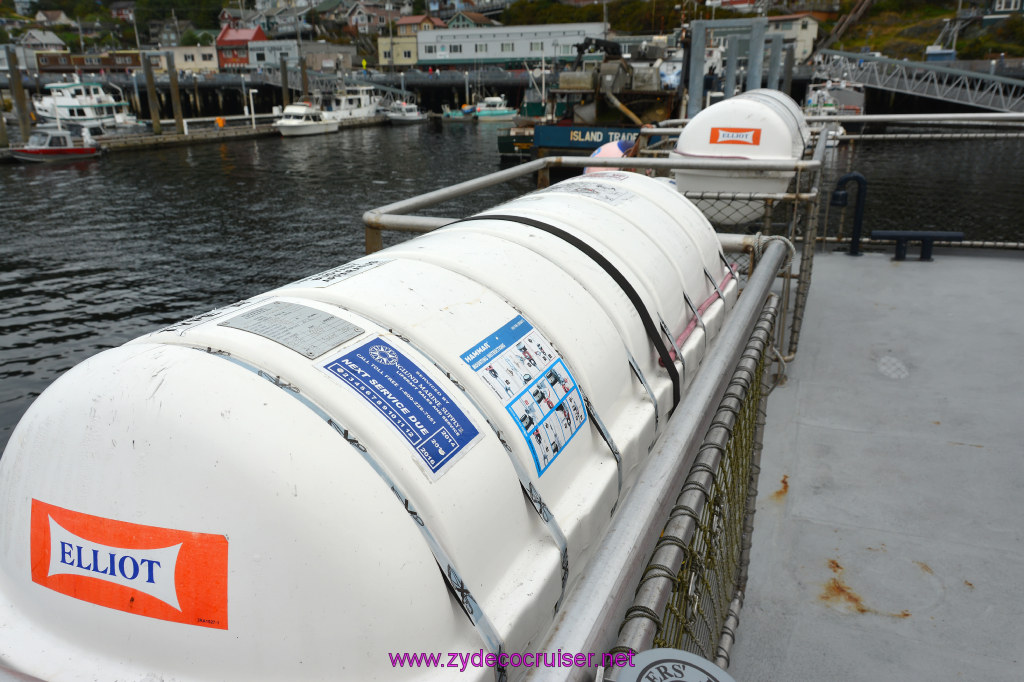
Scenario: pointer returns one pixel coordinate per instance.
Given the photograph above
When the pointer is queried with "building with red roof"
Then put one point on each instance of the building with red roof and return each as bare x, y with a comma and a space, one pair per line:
233, 47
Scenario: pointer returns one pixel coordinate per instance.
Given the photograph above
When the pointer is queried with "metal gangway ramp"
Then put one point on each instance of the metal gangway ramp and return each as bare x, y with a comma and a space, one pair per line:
982, 90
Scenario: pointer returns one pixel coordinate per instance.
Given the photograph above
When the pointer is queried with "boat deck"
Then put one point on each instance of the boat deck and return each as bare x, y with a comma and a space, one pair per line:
888, 539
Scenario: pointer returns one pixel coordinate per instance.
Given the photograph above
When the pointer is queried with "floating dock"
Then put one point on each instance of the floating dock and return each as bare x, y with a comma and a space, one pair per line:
121, 143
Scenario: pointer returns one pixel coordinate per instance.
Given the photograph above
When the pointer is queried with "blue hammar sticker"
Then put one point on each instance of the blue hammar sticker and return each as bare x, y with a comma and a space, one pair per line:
418, 408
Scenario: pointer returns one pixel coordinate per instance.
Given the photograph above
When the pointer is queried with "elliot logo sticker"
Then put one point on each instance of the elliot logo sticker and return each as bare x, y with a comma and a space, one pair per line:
155, 572
751, 136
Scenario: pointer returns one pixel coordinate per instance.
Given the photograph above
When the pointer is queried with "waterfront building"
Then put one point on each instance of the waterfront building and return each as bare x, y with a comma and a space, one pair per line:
233, 47
503, 45
189, 58
399, 51
64, 62
263, 53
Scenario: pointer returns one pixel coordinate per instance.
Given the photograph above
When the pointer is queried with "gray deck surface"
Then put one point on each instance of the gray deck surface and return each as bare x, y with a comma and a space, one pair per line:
895, 548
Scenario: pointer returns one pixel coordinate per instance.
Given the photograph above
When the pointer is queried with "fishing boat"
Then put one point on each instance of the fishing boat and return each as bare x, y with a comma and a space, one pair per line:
304, 118
81, 102
461, 115
353, 102
494, 109
404, 113
52, 145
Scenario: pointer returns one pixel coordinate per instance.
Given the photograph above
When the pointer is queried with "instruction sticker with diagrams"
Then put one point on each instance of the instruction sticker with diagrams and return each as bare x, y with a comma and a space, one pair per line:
420, 410
531, 379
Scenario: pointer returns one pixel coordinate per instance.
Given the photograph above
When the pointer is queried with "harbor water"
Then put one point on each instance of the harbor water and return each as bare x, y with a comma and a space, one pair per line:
95, 253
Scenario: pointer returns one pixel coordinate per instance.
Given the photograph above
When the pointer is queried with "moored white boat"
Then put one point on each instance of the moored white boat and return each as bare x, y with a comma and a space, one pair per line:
354, 102
50, 145
81, 102
304, 118
404, 113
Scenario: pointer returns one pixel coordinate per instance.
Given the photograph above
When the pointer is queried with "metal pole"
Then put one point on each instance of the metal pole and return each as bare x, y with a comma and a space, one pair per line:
755, 60
154, 104
775, 63
732, 54
591, 614
172, 72
285, 94
252, 108
787, 71
18, 92
4, 140
695, 79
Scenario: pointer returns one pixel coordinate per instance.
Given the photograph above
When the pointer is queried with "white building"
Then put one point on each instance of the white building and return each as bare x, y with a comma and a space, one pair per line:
268, 53
798, 30
511, 45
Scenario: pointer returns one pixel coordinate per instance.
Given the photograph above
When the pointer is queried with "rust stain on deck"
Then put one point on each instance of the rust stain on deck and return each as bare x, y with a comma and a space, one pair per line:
838, 593
925, 567
783, 489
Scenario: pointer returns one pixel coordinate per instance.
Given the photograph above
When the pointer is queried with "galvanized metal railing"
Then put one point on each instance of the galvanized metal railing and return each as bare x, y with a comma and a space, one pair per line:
692, 589
591, 615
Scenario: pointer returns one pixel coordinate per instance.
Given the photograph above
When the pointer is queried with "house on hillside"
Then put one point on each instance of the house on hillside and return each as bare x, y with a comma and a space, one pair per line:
123, 10
54, 17
1007, 6
239, 18
168, 33
798, 30
38, 40
466, 19
233, 47
281, 22
370, 19
334, 13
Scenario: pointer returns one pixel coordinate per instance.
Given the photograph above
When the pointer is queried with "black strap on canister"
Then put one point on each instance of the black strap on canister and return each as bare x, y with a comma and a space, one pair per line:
613, 272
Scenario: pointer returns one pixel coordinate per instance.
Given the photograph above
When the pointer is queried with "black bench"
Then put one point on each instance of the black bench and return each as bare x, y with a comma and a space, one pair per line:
926, 237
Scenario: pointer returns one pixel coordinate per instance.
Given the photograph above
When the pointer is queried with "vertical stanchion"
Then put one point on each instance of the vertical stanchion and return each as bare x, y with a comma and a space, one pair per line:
172, 71
154, 103
18, 91
305, 77
285, 95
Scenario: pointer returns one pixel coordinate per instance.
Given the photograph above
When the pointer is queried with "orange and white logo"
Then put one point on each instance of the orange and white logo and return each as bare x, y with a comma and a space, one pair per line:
160, 573
751, 136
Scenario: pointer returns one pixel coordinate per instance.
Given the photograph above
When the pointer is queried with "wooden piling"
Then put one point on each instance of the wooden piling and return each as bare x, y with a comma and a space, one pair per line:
154, 103
172, 71
4, 141
195, 93
285, 95
18, 91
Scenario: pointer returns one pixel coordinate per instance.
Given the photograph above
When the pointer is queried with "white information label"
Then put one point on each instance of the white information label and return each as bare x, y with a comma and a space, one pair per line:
304, 330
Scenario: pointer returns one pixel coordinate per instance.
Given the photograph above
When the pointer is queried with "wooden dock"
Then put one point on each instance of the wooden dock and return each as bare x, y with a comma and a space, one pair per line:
123, 143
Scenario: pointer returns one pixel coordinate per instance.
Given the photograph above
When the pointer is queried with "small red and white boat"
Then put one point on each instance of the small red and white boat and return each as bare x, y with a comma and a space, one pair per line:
48, 145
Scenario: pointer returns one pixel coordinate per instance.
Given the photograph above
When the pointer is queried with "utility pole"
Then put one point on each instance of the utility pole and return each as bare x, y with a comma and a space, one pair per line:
135, 27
